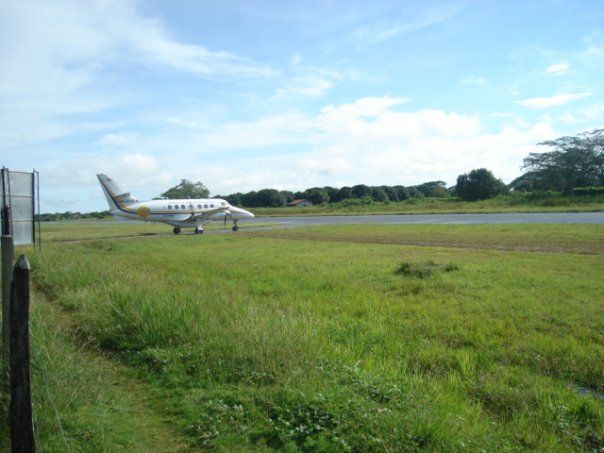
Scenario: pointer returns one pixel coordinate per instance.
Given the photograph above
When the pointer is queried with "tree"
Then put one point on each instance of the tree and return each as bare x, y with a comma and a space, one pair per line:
234, 198
440, 192
378, 194
391, 193
574, 162
249, 199
271, 198
316, 195
287, 195
428, 188
414, 192
361, 191
187, 189
402, 192
332, 193
479, 184
344, 193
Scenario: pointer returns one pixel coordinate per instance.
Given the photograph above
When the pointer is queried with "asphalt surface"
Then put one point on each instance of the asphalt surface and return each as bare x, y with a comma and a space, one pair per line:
532, 217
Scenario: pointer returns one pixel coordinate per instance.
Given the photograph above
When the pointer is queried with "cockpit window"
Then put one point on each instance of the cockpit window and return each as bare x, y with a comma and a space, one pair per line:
223, 203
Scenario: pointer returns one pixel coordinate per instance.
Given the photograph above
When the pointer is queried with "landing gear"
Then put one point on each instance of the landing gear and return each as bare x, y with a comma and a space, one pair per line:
235, 227
198, 230
176, 230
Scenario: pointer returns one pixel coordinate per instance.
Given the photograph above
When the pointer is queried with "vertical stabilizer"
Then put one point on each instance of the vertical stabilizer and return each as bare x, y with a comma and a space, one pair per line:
115, 195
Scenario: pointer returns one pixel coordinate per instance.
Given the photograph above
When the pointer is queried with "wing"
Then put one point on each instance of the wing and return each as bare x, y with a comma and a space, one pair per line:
206, 215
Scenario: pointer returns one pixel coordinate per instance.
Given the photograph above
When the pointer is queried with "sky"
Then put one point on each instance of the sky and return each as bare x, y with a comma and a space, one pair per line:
244, 95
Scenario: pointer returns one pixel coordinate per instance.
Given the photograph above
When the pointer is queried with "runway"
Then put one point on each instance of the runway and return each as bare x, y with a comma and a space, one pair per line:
532, 217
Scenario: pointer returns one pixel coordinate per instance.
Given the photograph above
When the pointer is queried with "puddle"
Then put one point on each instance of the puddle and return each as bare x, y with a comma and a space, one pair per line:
584, 391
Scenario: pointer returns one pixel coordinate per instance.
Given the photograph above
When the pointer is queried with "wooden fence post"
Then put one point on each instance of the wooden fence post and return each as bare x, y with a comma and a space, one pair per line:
21, 414
8, 253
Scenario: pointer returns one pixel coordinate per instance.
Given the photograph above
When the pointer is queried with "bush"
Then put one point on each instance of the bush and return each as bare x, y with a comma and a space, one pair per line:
352, 202
479, 184
424, 269
596, 190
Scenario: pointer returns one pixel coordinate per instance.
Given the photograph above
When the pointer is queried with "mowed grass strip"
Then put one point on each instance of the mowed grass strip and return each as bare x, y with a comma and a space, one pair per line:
569, 238
516, 202
268, 343
82, 230
82, 400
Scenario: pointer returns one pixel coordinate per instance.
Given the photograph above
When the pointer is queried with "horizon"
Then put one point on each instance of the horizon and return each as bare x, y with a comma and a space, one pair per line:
266, 95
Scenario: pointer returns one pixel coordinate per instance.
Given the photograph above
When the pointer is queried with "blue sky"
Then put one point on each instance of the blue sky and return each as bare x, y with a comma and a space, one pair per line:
244, 95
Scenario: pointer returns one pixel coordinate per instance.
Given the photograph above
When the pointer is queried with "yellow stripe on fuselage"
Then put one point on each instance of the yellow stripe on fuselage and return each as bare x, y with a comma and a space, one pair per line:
135, 211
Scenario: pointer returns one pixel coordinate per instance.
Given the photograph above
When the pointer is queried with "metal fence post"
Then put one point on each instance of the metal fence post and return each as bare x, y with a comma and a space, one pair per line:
8, 251
21, 413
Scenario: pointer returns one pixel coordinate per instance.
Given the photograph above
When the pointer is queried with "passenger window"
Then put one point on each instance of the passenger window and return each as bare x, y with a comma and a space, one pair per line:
169, 206
182, 206
211, 206
190, 206
175, 206
198, 206
205, 206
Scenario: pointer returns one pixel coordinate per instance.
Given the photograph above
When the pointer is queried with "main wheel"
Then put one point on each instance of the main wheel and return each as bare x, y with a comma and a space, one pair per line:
235, 227
176, 230
198, 231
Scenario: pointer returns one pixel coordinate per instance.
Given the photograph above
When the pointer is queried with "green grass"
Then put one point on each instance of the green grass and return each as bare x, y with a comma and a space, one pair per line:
333, 341
84, 402
76, 230
507, 203
585, 238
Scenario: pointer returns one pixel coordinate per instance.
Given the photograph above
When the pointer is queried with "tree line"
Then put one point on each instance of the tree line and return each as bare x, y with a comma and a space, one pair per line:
328, 194
573, 165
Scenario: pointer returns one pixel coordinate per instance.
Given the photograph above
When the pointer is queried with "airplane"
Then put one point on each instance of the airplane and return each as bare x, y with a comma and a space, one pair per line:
178, 213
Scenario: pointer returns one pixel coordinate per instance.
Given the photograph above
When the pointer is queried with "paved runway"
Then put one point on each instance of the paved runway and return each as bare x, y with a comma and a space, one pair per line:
533, 217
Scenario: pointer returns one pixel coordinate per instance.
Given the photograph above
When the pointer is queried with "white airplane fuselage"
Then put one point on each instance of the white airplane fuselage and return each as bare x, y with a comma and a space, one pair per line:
178, 213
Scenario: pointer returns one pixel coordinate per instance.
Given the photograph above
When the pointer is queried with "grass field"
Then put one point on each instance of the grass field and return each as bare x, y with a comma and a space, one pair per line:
504, 203
351, 338
78, 230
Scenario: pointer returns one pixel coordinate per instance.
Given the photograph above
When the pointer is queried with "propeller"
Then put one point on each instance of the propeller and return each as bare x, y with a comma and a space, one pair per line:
226, 214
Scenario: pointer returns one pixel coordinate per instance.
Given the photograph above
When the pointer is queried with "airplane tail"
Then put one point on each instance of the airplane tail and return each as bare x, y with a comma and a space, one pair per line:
116, 197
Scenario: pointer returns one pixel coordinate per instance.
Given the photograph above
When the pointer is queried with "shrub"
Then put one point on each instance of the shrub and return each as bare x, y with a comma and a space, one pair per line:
588, 190
424, 269
479, 184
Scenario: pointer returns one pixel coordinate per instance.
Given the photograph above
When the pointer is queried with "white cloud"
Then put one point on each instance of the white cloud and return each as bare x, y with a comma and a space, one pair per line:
118, 139
592, 56
137, 169
55, 57
551, 101
369, 106
473, 81
307, 86
371, 140
414, 21
295, 60
592, 114
557, 69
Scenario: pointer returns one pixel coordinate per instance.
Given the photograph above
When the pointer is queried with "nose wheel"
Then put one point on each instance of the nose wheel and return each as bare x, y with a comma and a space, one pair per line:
198, 230
176, 230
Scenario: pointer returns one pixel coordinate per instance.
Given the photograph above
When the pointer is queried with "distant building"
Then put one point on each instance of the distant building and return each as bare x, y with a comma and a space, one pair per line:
299, 203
